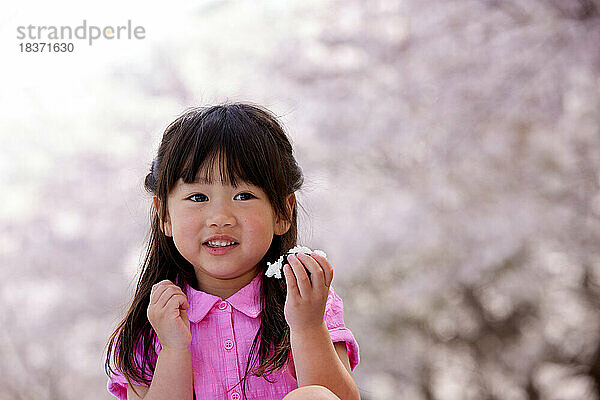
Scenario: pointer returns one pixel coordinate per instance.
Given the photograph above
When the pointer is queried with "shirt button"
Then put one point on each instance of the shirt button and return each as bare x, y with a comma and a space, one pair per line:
228, 344
235, 396
222, 305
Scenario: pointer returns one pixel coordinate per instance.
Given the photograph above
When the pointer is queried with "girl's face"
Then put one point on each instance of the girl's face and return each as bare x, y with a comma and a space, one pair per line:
199, 211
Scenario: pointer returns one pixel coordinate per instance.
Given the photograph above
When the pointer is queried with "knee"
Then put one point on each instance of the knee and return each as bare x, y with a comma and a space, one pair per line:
311, 392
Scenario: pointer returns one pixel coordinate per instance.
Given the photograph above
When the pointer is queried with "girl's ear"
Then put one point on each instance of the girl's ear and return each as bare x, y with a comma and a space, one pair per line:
166, 224
281, 225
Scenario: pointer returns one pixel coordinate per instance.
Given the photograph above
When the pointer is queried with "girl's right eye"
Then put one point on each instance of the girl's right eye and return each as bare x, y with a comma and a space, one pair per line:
194, 195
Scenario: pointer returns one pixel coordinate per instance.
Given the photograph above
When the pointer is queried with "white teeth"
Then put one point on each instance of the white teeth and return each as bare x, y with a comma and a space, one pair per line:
217, 243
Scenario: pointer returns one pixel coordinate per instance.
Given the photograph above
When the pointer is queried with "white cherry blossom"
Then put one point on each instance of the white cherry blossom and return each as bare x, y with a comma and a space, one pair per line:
274, 269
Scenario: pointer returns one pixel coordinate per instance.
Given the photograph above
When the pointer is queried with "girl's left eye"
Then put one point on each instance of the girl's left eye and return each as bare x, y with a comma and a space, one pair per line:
245, 193
194, 195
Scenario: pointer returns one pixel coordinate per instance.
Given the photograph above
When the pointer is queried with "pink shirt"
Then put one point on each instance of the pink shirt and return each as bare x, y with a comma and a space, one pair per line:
222, 334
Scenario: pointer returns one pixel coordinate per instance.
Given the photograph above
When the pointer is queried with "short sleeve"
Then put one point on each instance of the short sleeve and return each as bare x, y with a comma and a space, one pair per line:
334, 319
117, 384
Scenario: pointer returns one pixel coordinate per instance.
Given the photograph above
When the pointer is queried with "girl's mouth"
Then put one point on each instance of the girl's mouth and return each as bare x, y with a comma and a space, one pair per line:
219, 250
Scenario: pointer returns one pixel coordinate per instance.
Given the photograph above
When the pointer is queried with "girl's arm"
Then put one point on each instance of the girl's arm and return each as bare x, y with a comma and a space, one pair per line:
172, 377
317, 362
315, 358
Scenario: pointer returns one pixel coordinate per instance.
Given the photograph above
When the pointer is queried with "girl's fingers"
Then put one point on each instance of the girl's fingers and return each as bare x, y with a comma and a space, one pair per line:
176, 301
301, 276
327, 268
168, 294
156, 292
290, 281
158, 289
317, 277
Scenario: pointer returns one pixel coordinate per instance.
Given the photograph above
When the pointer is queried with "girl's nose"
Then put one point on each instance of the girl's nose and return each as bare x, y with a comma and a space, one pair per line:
220, 221
220, 216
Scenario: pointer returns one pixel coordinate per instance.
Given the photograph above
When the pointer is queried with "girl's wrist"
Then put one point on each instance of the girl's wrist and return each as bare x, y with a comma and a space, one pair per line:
176, 349
309, 330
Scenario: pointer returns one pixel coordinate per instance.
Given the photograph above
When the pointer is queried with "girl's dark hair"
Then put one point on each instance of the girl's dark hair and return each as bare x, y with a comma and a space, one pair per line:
251, 146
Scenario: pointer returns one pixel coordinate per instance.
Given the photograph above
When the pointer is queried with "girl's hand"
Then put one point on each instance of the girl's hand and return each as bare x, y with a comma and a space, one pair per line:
168, 316
306, 296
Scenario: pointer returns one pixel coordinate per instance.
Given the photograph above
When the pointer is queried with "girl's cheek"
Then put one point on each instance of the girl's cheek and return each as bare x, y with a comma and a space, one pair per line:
255, 223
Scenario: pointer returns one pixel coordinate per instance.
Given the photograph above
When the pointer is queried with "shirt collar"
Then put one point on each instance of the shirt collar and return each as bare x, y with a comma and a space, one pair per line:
245, 300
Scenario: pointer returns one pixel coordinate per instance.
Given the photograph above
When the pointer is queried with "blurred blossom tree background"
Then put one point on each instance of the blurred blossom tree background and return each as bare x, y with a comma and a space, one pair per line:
452, 159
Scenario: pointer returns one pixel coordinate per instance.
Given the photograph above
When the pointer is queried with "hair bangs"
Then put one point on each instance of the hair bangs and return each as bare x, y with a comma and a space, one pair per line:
232, 141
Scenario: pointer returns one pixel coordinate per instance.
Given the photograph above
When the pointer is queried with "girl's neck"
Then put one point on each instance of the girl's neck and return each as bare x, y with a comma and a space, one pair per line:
224, 288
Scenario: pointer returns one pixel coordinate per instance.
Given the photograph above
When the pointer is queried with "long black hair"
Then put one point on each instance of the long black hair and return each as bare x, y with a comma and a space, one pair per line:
250, 145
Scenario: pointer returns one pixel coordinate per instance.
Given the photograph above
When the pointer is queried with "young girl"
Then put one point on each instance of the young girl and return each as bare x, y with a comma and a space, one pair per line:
205, 321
